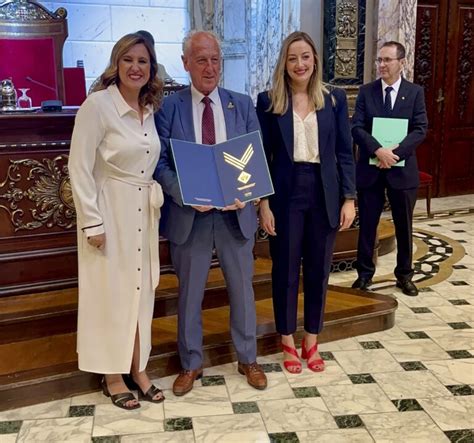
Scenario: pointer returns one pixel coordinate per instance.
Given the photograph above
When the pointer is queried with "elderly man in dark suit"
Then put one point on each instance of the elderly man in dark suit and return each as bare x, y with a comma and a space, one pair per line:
205, 113
394, 97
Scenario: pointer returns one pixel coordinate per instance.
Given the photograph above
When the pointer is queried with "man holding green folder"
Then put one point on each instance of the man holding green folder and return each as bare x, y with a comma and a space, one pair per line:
388, 124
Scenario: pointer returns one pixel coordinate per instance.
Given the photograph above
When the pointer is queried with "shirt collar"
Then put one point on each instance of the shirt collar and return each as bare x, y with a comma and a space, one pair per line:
198, 96
122, 106
395, 86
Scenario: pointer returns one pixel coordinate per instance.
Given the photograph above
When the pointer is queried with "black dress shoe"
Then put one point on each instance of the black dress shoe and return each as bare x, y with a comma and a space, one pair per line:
362, 283
407, 287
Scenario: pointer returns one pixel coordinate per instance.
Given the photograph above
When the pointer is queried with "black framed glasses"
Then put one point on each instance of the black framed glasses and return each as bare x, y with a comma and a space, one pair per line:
386, 60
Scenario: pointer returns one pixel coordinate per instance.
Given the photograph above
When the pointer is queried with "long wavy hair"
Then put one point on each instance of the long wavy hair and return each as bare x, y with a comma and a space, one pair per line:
152, 92
281, 82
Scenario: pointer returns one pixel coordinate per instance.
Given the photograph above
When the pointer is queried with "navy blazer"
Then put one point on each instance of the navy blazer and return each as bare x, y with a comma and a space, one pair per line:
175, 120
335, 152
410, 104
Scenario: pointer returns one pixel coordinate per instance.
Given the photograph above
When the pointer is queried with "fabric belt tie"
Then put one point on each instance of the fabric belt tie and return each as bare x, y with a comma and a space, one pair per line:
155, 202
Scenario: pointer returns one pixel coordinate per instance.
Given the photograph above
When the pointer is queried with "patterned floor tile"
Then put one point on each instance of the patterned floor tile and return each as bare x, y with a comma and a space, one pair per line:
110, 420
278, 388
414, 350
461, 436
348, 421
354, 435
358, 379
283, 437
450, 413
411, 426
407, 404
161, 437
52, 409
75, 429
81, 411
457, 339
355, 399
367, 361
461, 389
178, 424
452, 372
410, 384
307, 392
10, 427
238, 428
332, 375
245, 407
201, 401
413, 366
299, 414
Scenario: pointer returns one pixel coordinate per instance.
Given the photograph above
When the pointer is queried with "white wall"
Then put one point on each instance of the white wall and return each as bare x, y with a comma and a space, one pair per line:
95, 25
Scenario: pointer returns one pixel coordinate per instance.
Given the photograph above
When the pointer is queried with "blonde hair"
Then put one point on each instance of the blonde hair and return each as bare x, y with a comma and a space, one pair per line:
281, 85
152, 92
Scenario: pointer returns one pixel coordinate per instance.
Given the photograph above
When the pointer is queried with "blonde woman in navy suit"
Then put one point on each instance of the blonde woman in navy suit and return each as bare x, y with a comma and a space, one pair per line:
306, 135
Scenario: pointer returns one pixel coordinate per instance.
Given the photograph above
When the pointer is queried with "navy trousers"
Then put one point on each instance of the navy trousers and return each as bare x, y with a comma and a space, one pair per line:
370, 202
303, 236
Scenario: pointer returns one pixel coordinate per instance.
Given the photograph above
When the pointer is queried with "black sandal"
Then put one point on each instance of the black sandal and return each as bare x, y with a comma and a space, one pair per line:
148, 396
119, 400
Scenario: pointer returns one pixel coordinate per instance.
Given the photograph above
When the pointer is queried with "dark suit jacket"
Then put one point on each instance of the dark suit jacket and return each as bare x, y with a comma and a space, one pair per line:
175, 120
410, 104
335, 151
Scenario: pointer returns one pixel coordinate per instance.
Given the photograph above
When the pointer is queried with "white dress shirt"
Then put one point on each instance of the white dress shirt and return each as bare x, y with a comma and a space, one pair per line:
198, 109
306, 143
393, 92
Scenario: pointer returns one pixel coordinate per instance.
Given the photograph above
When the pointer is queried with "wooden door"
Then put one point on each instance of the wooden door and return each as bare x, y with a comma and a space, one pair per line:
444, 66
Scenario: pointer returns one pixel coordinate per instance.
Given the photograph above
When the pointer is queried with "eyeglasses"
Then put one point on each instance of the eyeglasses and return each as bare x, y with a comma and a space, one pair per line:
385, 60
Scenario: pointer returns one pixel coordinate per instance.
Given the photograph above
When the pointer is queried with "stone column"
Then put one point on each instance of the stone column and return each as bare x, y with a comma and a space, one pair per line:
397, 21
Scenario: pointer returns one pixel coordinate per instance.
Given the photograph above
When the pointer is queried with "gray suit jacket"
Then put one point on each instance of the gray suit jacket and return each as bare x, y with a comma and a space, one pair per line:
175, 120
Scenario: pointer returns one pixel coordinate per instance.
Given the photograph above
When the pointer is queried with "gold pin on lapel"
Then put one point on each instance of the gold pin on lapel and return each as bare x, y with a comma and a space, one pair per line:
403, 98
230, 105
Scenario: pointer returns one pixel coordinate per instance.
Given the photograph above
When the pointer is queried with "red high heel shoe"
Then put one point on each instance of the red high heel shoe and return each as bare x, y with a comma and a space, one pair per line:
315, 365
292, 366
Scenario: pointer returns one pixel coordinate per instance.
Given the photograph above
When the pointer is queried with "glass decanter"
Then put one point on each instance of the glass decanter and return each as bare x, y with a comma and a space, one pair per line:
24, 102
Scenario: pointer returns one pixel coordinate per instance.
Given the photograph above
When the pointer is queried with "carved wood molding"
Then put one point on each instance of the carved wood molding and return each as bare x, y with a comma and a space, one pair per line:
424, 51
37, 194
464, 74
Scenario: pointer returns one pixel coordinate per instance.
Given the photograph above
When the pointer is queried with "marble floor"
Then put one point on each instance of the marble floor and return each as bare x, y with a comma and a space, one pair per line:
412, 383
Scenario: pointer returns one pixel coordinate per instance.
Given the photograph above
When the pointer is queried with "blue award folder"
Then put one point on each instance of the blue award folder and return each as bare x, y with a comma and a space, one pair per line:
215, 175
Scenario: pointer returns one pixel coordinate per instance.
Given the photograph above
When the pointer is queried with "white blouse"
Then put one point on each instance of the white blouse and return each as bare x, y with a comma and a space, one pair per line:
306, 143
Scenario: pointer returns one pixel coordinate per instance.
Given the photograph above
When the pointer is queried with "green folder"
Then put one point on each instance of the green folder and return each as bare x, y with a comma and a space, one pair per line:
389, 132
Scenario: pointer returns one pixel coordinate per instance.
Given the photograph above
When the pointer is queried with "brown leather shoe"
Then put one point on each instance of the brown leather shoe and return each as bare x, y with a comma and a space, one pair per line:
254, 373
185, 381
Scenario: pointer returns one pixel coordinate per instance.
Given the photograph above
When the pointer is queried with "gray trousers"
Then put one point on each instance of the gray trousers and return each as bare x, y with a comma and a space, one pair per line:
192, 260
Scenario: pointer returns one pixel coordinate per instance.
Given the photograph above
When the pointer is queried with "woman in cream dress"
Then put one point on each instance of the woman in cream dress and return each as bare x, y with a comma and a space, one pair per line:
114, 152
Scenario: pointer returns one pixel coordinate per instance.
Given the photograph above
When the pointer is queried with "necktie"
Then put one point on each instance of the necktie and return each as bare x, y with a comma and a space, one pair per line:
208, 130
387, 104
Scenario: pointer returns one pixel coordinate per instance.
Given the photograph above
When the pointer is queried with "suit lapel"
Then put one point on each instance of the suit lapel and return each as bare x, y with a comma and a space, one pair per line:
378, 97
401, 96
229, 110
185, 109
285, 122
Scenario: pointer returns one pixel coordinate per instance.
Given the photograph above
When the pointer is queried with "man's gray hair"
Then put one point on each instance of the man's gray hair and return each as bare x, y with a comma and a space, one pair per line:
187, 39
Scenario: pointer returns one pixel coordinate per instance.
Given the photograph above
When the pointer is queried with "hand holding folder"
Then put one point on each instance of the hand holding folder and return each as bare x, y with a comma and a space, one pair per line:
389, 132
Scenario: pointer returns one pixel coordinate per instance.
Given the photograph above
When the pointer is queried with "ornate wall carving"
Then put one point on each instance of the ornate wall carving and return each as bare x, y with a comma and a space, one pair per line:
344, 35
37, 194
28, 10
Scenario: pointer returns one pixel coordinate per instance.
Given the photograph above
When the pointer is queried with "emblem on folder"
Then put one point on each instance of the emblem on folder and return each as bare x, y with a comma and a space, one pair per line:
240, 163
